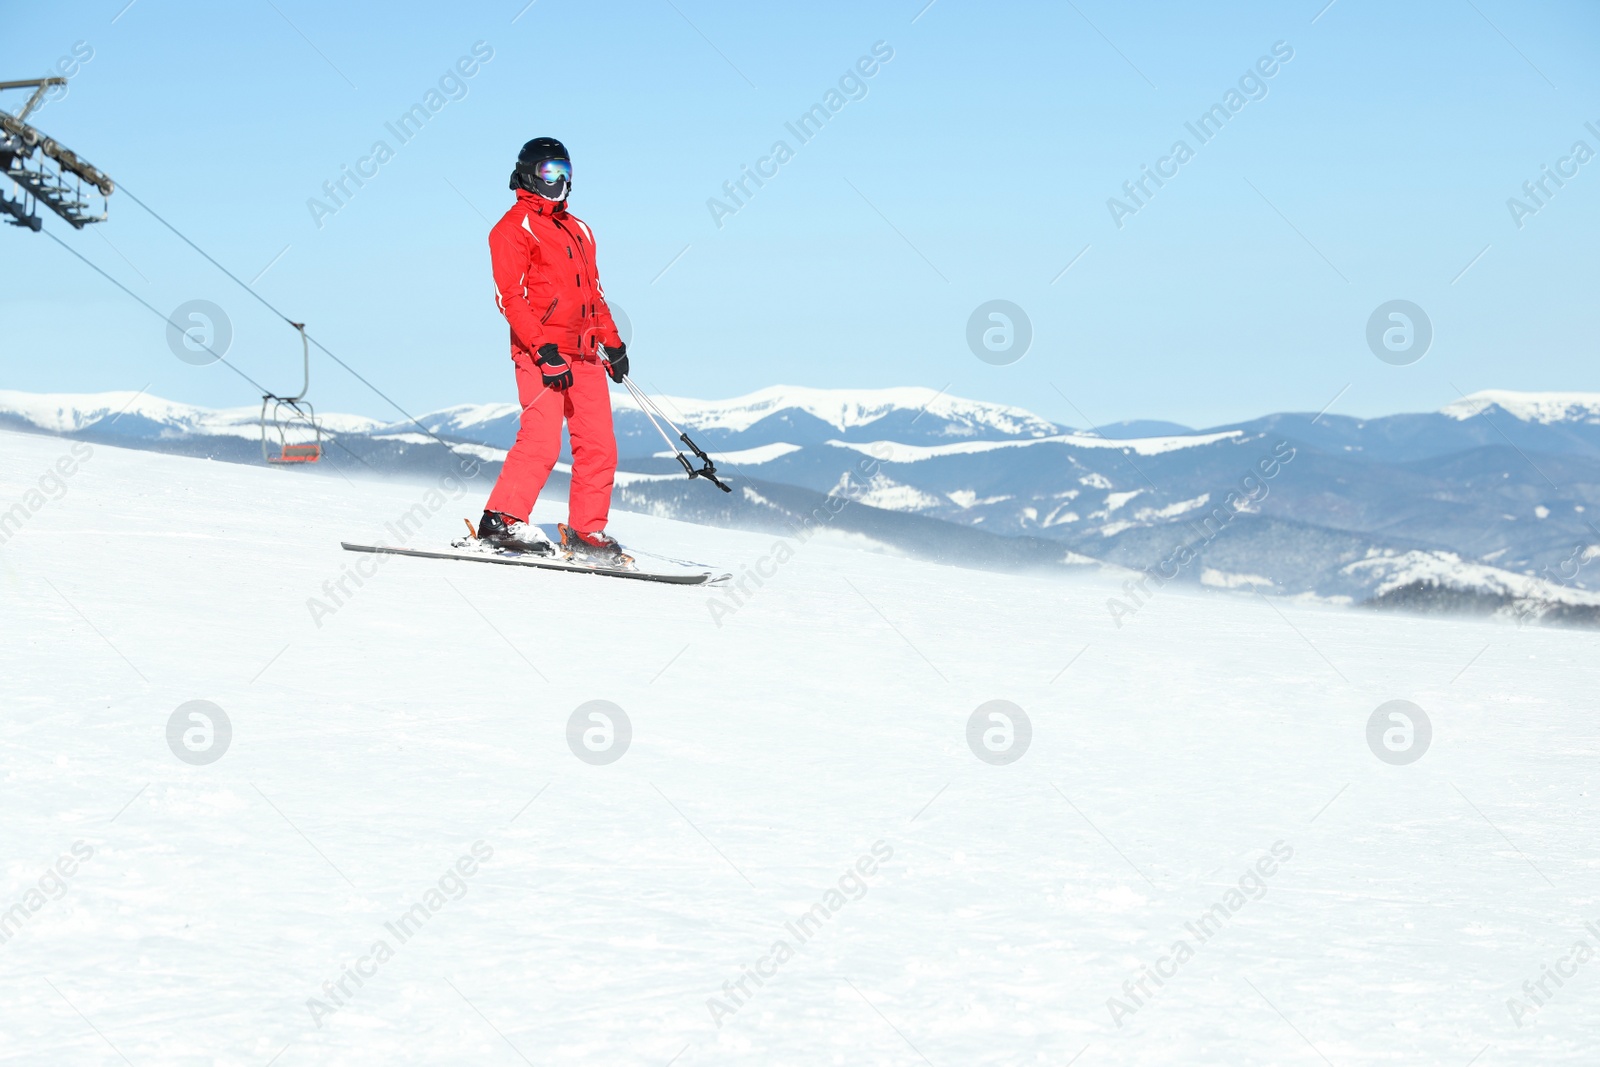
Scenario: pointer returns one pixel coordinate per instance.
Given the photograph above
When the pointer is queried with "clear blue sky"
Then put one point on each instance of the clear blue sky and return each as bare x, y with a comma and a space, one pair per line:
977, 166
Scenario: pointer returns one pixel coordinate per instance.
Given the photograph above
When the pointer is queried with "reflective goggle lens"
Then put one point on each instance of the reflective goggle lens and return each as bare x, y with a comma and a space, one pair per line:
554, 170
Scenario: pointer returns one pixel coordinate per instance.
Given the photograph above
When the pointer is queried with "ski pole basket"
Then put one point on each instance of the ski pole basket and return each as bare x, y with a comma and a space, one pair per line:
281, 413
707, 469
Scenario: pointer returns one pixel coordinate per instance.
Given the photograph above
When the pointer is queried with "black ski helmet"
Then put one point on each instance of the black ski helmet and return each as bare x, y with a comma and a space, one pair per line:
526, 175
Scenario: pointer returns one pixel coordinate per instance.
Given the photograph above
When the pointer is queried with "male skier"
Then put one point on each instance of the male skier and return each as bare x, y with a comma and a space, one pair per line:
563, 345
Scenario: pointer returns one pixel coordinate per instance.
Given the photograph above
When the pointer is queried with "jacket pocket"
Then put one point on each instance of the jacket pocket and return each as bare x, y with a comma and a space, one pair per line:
551, 310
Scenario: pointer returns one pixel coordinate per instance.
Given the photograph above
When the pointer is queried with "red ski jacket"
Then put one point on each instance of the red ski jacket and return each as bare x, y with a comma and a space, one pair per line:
546, 283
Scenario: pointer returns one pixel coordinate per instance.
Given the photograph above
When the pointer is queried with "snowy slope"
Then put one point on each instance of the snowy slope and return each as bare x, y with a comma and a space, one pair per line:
894, 452
846, 409
772, 750
1386, 572
843, 409
1491, 491
1545, 408
72, 412
761, 417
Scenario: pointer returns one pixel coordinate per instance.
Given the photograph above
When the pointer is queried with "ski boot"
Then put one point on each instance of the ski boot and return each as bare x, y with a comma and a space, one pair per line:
597, 547
513, 535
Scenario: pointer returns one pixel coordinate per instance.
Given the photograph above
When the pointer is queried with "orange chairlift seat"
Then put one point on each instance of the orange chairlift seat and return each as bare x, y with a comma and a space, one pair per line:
279, 413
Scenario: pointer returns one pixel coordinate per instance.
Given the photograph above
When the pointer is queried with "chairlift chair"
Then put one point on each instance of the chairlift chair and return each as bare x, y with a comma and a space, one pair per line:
278, 412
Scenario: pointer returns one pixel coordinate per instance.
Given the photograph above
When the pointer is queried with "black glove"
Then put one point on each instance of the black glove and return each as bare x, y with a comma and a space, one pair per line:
616, 360
557, 375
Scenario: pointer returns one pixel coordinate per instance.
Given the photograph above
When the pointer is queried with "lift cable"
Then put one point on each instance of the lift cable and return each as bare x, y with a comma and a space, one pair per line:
154, 311
264, 303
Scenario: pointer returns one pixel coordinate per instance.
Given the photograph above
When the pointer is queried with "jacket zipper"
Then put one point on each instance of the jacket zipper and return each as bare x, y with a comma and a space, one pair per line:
551, 310
583, 255
574, 239
582, 252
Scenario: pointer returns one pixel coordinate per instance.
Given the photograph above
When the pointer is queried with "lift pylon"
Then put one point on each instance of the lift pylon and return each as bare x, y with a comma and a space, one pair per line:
44, 171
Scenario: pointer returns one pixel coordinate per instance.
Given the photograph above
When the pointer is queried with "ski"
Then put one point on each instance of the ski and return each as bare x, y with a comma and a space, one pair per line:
672, 572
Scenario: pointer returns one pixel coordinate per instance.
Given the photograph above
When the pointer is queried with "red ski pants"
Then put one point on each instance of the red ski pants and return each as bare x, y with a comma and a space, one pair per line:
586, 407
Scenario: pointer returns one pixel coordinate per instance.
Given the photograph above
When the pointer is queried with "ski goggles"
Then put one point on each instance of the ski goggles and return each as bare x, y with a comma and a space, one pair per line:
551, 171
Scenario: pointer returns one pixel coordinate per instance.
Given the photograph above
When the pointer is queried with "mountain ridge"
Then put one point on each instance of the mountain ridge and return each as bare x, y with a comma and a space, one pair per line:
1492, 493
842, 409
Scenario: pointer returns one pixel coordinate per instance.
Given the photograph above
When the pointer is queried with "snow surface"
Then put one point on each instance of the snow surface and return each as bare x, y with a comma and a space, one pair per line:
1393, 570
841, 408
1228, 580
483, 452
1547, 408
1172, 748
414, 439
966, 498
461, 415
1172, 510
895, 452
71, 412
844, 408
752, 456
884, 492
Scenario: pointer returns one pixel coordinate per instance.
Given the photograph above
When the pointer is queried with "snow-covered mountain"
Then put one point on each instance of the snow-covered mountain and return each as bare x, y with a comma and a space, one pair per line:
139, 415
781, 414
910, 415
1544, 408
1495, 489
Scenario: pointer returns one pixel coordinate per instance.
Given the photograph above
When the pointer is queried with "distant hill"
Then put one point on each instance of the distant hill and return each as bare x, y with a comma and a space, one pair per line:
1496, 497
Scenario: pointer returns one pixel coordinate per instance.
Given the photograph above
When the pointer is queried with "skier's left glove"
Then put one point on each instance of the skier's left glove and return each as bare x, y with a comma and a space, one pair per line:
616, 360
557, 374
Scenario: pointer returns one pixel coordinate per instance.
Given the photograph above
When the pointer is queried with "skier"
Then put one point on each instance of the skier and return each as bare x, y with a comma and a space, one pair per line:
563, 345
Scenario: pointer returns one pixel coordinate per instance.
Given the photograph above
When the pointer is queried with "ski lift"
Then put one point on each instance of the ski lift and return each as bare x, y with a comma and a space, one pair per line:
44, 171
278, 413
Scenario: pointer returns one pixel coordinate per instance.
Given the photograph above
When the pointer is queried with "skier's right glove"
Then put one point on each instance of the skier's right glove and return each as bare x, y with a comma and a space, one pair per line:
557, 374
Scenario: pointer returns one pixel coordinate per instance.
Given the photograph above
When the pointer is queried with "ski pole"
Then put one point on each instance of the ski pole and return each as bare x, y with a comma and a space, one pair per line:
707, 469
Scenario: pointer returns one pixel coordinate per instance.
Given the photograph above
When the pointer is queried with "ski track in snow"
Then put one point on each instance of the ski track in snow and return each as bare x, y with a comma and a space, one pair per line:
825, 714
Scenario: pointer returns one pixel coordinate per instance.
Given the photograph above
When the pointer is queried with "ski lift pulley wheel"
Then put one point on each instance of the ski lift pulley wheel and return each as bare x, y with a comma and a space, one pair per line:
277, 412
